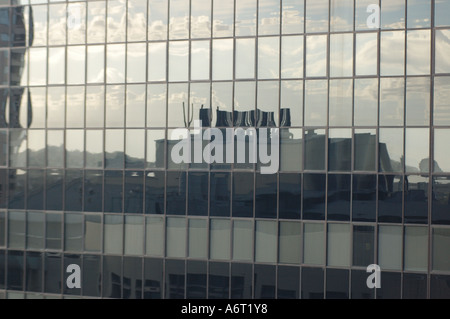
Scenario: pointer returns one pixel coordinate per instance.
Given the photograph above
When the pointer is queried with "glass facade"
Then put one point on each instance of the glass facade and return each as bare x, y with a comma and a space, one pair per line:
91, 93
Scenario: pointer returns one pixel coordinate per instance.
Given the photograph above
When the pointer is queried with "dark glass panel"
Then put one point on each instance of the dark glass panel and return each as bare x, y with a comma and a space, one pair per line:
414, 286
416, 199
290, 202
70, 260
113, 191
312, 283
359, 285
364, 197
2, 269
35, 189
176, 193
390, 198
132, 278
174, 274
112, 274
315, 144
337, 284
134, 192
91, 277
265, 281
93, 191
17, 184
54, 231
266, 196
34, 272
198, 194
54, 190
73, 190
196, 280
440, 287
220, 188
243, 189
391, 284
219, 280
153, 278
288, 282
314, 188
241, 281
154, 192
339, 193
441, 200
363, 245
52, 273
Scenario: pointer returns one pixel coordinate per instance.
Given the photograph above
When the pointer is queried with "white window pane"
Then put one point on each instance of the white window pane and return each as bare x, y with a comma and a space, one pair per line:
220, 239
390, 247
339, 245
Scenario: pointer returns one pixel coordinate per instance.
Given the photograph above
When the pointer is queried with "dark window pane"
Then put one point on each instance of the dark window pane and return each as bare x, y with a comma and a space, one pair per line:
390, 198
52, 273
153, 278
359, 285
219, 277
337, 284
196, 280
364, 197
243, 189
132, 278
340, 150
2, 229
113, 191
312, 283
440, 287
314, 187
290, 202
73, 191
54, 189
70, 260
17, 182
265, 282
174, 279
34, 272
339, 197
363, 245
93, 191
73, 232
288, 282
414, 286
154, 192
441, 200
2, 269
266, 196
112, 273
3, 188
35, 189
220, 188
198, 194
134, 192
391, 284
176, 193
54, 231
365, 150
241, 281
315, 149
15, 270
416, 199
91, 275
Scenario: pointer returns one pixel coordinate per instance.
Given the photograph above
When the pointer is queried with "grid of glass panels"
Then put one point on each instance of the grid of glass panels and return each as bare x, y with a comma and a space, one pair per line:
91, 91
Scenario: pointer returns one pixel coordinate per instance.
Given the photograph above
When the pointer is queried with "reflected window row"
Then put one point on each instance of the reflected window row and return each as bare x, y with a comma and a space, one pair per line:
338, 197
139, 20
227, 59
152, 278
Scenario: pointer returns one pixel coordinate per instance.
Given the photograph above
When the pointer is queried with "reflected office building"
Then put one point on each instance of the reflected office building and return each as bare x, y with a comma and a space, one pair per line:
91, 92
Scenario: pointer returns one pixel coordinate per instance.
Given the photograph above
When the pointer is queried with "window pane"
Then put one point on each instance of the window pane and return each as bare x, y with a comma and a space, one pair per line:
391, 150
419, 52
53, 230
316, 55
137, 20
266, 241
179, 19
220, 194
317, 16
313, 244
176, 237
95, 106
155, 236
95, 64
73, 230
154, 192
93, 233
392, 56
339, 193
341, 55
74, 148
442, 47
157, 61
268, 57
243, 189
390, 198
366, 54
291, 109
135, 149
116, 20
288, 283
265, 281
200, 60
38, 65
393, 14
364, 198
414, 286
269, 17
55, 107
416, 199
268, 99
441, 98
339, 245
176, 193
115, 63
292, 57
223, 16
198, 238
196, 274
416, 248
291, 147
135, 106
245, 58
363, 245
341, 92
441, 8
157, 19
75, 107
56, 65
200, 19
341, 15
316, 103
76, 60
390, 247
419, 14
315, 144
293, 16
222, 100
242, 240
418, 101
96, 22
222, 58
156, 105
290, 243
441, 200
113, 234
337, 284
134, 235
178, 103
340, 150
35, 230
115, 105
312, 283
16, 230
36, 148
219, 239
245, 17
114, 148
314, 188
441, 253
417, 152
198, 189
136, 62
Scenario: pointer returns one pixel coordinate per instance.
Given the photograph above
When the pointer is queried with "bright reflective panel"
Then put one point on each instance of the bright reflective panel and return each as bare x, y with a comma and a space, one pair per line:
392, 57
341, 15
291, 109
417, 155
419, 52
392, 101
116, 21
200, 19
200, 60
268, 103
418, 101
269, 17
442, 48
341, 55
268, 58
178, 106
56, 24
316, 56
223, 18
38, 66
441, 150
157, 61
393, 14
366, 102
94, 149
74, 148
340, 108
55, 107
245, 58
292, 16
115, 106
179, 19
96, 21
95, 106
135, 148
56, 65
136, 62
292, 57
316, 103
419, 14
157, 19
366, 54
442, 7
115, 63
55, 148
178, 61
114, 148
135, 106
156, 105
137, 20
245, 13
95, 64
75, 107
316, 16
313, 244
222, 59
76, 60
